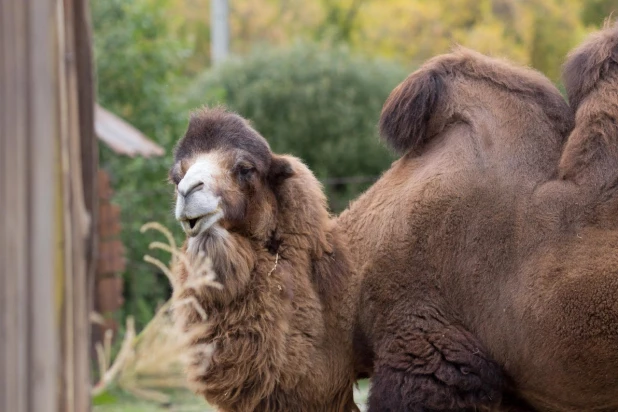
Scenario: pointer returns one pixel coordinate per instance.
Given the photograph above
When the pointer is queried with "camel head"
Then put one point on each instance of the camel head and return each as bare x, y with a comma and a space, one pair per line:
225, 174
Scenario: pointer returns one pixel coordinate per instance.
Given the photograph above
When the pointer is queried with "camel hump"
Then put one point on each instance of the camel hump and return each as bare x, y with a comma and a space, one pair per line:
405, 118
431, 98
590, 76
593, 62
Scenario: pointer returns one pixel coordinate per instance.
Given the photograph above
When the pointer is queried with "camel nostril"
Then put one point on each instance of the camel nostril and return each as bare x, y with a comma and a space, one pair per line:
196, 186
192, 222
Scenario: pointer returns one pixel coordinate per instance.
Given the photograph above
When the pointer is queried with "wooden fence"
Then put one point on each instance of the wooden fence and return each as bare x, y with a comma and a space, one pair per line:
48, 163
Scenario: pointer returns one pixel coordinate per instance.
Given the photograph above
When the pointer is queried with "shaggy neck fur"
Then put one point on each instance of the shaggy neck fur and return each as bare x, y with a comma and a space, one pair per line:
275, 339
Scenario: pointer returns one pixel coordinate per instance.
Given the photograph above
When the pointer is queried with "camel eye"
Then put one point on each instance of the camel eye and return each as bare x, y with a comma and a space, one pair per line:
245, 171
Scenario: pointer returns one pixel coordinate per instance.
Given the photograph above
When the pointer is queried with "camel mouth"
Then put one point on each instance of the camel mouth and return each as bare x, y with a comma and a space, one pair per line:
192, 222
193, 226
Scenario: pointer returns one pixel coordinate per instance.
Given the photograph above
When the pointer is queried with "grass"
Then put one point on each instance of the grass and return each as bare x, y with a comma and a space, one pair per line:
181, 401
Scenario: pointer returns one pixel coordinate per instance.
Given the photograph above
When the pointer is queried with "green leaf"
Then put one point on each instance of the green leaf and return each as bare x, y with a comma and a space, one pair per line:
104, 398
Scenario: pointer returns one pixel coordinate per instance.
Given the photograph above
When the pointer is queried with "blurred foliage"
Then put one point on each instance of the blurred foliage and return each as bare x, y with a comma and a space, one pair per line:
140, 64
532, 32
138, 57
297, 75
596, 11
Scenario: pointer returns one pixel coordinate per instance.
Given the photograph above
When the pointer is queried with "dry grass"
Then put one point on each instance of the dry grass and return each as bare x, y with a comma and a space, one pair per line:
150, 364
107, 372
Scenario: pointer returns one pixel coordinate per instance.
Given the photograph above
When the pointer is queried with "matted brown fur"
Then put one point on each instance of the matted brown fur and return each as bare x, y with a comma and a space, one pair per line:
278, 335
490, 276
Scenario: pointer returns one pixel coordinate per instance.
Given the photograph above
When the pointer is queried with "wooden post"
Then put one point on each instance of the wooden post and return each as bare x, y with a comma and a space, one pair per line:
29, 131
47, 187
78, 180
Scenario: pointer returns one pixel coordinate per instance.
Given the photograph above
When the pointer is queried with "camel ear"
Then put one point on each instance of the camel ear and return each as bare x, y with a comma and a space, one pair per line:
280, 169
405, 122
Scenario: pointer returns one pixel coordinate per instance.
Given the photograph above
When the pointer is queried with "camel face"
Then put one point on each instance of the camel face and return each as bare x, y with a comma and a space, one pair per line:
198, 206
224, 174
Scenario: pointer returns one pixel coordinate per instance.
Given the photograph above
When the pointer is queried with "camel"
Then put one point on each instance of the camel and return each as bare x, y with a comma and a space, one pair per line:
478, 273
490, 275
278, 332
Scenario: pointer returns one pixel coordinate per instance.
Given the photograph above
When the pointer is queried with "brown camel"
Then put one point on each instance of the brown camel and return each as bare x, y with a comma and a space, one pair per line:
278, 333
481, 272
490, 247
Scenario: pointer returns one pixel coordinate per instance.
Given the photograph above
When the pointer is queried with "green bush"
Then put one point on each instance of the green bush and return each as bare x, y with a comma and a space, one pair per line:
321, 104
140, 65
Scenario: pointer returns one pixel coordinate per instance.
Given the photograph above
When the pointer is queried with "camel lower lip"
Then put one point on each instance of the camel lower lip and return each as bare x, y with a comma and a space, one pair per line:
193, 225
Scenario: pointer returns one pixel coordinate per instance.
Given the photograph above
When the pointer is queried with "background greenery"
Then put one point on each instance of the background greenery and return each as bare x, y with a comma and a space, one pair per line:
311, 76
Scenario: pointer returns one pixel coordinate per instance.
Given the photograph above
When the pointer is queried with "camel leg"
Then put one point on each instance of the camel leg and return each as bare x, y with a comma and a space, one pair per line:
433, 366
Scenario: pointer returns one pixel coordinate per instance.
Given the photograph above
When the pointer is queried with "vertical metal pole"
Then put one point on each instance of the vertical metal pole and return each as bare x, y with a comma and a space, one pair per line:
219, 30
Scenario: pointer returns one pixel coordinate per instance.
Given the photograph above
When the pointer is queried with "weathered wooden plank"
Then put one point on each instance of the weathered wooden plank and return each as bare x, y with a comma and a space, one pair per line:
14, 39
3, 216
40, 90
3, 283
77, 141
66, 401
42, 133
